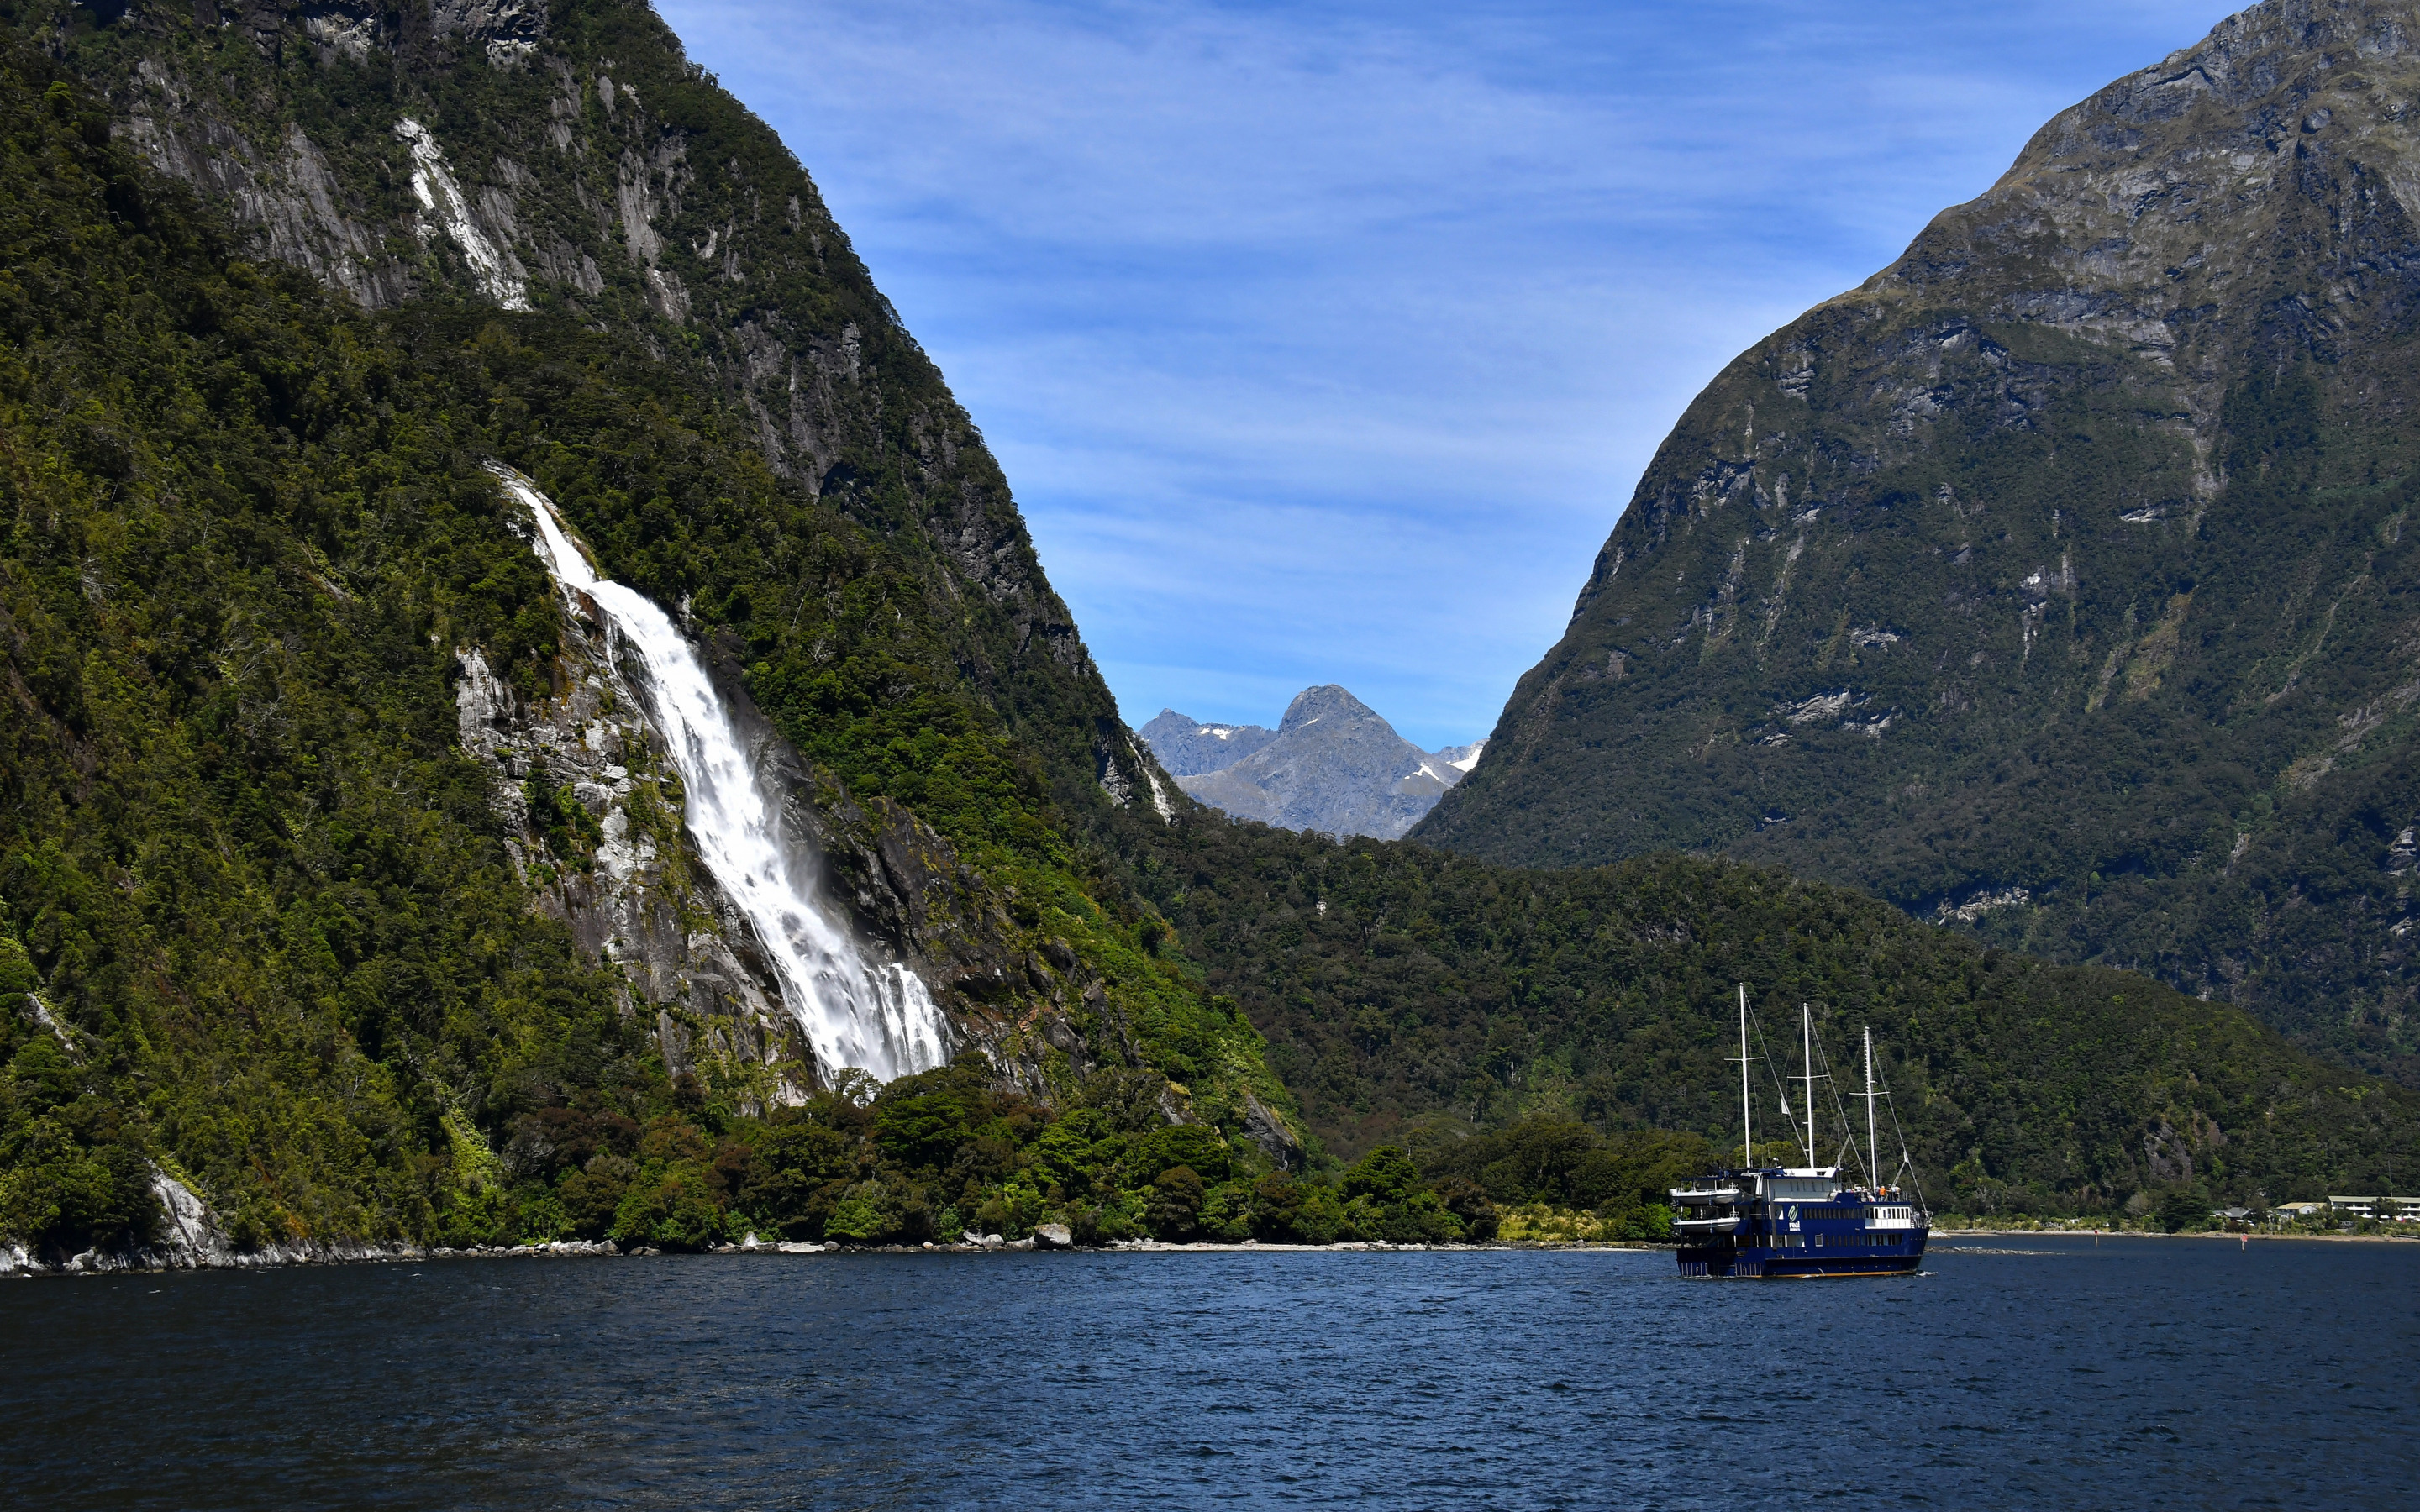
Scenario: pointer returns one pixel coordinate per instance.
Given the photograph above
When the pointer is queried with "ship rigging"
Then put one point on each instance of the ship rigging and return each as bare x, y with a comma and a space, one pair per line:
1760, 1220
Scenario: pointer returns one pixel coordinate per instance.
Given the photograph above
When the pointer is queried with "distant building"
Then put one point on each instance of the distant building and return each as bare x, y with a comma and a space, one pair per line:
2295, 1212
2389, 1209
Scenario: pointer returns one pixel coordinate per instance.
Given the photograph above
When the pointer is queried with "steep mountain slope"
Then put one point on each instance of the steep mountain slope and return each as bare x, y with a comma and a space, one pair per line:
1186, 747
343, 896
1334, 766
318, 881
2059, 579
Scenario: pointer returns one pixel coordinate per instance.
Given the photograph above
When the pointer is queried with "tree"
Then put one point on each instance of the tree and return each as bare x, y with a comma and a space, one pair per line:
2183, 1206
1386, 1175
1173, 1205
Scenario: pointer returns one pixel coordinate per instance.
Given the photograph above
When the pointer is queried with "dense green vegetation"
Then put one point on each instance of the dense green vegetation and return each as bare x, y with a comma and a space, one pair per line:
259, 929
1406, 990
241, 858
940, 1155
1949, 594
258, 882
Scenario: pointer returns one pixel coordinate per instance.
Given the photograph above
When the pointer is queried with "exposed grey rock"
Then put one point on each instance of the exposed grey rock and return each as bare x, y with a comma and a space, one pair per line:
288, 194
1130, 775
1187, 748
1334, 766
186, 1227
1266, 1129
483, 232
638, 899
1053, 1236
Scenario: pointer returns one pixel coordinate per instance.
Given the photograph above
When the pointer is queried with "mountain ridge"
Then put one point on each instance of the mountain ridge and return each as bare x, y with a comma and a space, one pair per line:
2053, 582
1333, 764
343, 904
1187, 748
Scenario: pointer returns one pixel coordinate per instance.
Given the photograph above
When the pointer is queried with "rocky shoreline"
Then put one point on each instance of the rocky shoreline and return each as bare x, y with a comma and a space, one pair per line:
16, 1262
2142, 1234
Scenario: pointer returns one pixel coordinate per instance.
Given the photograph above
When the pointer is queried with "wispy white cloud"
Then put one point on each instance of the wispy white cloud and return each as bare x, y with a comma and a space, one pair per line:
1324, 343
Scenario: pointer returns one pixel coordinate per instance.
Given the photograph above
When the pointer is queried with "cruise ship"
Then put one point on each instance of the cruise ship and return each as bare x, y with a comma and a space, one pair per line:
1800, 1220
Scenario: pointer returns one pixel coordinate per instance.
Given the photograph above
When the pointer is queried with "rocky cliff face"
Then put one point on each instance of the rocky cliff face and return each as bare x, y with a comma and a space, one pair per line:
2055, 581
566, 161
593, 806
1332, 766
1188, 749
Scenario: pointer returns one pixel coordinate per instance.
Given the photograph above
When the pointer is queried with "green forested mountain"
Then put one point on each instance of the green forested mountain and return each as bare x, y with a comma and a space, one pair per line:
298, 943
2059, 581
1406, 992
342, 889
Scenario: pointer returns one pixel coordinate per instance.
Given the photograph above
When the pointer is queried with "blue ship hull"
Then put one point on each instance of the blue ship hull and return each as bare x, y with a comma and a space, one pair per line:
1897, 1258
1803, 1223
1802, 1220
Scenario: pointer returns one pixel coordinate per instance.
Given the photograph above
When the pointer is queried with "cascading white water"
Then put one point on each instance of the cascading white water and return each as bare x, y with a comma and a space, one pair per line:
855, 1012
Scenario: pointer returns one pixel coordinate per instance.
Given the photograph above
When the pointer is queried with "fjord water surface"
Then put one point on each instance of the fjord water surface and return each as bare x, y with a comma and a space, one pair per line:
2013, 1373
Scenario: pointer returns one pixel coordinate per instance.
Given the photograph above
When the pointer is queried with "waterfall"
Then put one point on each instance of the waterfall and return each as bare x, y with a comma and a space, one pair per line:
856, 1012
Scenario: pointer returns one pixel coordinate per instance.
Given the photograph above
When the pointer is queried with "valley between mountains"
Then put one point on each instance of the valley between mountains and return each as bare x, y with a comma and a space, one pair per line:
351, 893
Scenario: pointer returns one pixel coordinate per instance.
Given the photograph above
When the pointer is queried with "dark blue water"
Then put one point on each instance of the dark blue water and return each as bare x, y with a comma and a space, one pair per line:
2013, 1373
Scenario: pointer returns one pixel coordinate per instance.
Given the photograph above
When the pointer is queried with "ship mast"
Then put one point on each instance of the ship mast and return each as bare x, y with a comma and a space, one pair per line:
1747, 1137
1874, 1155
1807, 1032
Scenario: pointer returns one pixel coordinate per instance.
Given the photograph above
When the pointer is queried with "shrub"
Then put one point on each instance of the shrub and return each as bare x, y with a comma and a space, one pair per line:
854, 1221
591, 1196
1173, 1205
82, 1198
674, 1210
1386, 1175
2183, 1206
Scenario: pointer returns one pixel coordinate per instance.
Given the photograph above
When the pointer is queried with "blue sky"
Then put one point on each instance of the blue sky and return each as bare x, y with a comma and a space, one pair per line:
1325, 343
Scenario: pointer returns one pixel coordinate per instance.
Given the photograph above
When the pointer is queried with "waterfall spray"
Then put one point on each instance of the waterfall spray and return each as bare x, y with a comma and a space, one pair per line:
856, 1012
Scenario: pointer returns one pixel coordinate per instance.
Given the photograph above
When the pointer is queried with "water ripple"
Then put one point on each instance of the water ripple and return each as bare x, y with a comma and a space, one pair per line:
2134, 1374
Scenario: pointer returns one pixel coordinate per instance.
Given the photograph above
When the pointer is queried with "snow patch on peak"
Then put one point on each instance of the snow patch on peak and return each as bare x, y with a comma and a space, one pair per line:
1462, 758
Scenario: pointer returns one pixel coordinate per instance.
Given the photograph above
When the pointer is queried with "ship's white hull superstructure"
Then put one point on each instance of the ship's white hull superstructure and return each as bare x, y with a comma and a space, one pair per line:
1803, 1220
